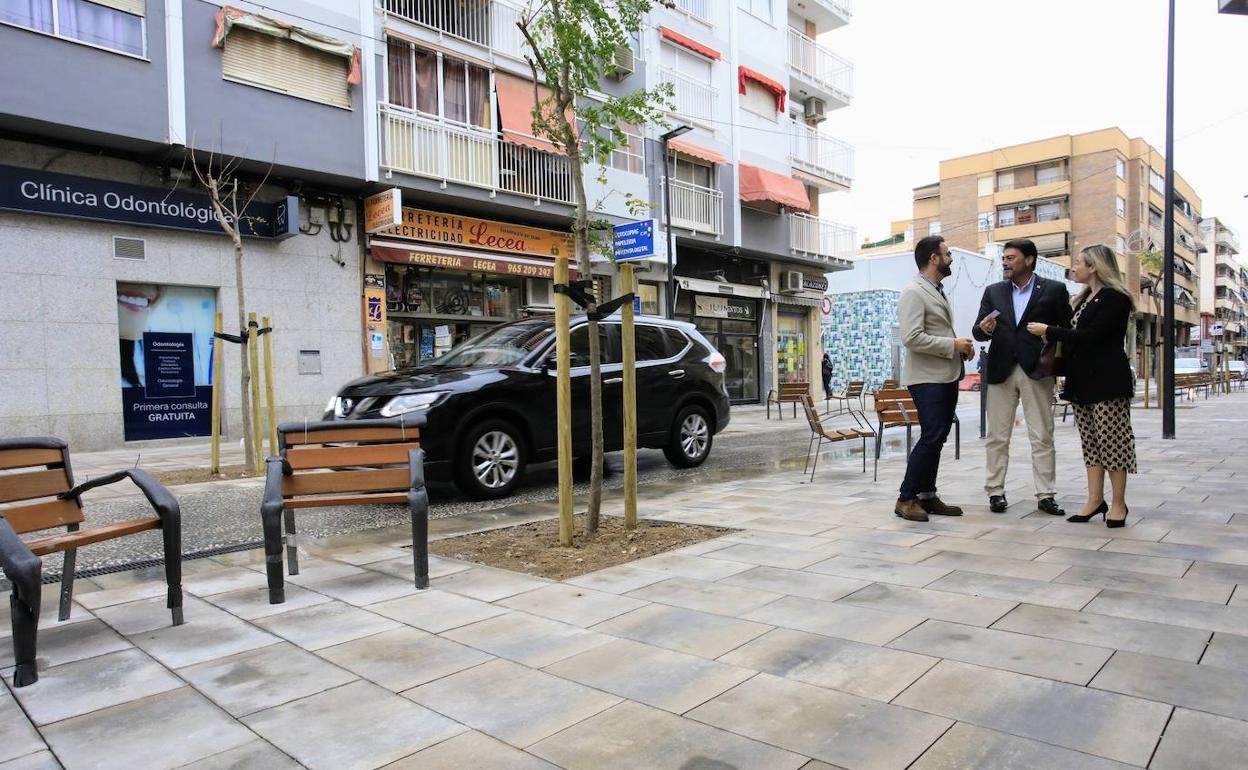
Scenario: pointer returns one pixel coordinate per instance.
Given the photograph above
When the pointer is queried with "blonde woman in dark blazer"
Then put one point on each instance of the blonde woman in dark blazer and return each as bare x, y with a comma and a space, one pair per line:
1099, 381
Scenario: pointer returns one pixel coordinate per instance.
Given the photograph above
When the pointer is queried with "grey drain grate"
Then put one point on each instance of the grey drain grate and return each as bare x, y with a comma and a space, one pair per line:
145, 563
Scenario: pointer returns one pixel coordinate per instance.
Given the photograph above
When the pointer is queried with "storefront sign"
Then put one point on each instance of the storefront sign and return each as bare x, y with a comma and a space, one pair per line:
723, 307
385, 209
454, 230
166, 360
814, 282
634, 240
45, 192
464, 262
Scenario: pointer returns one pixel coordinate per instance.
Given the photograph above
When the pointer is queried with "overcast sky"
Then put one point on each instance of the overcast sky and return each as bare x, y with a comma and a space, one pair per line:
936, 79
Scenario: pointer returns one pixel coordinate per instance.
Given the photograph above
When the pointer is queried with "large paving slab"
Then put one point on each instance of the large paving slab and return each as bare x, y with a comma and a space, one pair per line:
259, 679
324, 625
1196, 741
676, 628
942, 605
846, 621
866, 569
718, 598
572, 604
403, 658
1179, 612
436, 611
1155, 585
1200, 687
471, 750
18, 737
795, 583
1107, 631
967, 747
1016, 589
528, 639
88, 685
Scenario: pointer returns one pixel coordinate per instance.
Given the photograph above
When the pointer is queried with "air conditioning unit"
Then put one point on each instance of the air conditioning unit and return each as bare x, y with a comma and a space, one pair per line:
540, 293
816, 109
1024, 207
792, 282
624, 62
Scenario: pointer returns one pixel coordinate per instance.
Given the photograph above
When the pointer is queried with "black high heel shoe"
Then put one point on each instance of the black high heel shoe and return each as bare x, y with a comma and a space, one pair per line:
1115, 523
1102, 509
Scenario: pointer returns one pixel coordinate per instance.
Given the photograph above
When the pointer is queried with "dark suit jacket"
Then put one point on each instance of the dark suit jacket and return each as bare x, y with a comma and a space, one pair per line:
1092, 352
1011, 343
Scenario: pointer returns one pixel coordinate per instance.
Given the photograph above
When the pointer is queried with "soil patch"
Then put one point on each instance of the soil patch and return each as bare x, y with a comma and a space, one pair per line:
200, 475
534, 548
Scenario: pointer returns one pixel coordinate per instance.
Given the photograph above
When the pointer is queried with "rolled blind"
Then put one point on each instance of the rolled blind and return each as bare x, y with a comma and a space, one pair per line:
285, 66
136, 7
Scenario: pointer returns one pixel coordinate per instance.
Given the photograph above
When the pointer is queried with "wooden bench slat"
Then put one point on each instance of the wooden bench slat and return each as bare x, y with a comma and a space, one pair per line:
32, 484
308, 457
331, 435
66, 540
26, 458
32, 518
389, 479
399, 498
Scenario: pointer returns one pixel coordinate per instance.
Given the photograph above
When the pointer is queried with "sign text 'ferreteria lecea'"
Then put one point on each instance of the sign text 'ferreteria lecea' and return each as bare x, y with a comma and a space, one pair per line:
46, 192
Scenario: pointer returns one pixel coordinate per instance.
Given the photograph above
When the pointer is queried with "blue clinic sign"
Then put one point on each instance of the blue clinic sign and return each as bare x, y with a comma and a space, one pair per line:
168, 364
634, 240
46, 192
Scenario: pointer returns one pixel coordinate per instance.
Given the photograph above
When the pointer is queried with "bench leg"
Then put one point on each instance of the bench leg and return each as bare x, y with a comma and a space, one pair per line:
818, 451
67, 584
271, 520
794, 410
292, 542
864, 454
908, 442
809, 445
957, 439
171, 534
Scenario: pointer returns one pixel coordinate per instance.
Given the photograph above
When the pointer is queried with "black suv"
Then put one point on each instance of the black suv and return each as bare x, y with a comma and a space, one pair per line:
490, 401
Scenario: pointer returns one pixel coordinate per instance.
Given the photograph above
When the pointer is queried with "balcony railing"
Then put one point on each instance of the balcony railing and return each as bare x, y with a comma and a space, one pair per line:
820, 154
692, 99
424, 146
505, 36
1228, 239
1050, 179
467, 19
841, 7
819, 65
823, 238
698, 9
697, 208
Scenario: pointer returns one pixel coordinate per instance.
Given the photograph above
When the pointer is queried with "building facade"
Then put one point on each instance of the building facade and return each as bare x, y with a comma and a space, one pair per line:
1067, 192
1223, 300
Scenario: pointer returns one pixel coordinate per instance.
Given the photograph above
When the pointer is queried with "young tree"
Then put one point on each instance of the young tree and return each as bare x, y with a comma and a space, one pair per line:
230, 198
572, 45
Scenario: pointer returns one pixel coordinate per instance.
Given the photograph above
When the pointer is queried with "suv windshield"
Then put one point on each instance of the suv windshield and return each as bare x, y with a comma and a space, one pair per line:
1187, 363
505, 345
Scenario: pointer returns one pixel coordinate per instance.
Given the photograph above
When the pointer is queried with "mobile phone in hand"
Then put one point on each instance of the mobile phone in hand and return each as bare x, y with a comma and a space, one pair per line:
992, 315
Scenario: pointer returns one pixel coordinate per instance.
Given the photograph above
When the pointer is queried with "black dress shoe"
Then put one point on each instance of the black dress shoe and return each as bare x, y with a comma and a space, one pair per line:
997, 504
1050, 506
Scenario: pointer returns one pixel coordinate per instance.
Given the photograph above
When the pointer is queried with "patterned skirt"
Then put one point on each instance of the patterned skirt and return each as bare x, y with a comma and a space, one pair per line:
1106, 435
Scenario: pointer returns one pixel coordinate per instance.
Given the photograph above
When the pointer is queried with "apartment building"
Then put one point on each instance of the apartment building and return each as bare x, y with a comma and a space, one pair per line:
1066, 192
1223, 300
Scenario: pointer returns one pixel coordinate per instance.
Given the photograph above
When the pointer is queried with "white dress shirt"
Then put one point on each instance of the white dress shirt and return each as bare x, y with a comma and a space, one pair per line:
1022, 297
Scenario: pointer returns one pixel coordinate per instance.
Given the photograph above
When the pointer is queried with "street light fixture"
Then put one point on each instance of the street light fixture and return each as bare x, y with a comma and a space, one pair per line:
667, 217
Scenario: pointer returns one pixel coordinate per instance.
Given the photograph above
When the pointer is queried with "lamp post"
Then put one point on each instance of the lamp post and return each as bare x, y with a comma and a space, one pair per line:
1167, 270
667, 218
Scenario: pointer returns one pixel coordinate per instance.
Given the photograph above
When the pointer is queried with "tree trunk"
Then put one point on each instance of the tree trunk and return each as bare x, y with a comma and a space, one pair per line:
580, 230
244, 370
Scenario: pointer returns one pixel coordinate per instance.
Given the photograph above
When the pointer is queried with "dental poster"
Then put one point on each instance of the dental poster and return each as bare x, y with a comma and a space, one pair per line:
166, 347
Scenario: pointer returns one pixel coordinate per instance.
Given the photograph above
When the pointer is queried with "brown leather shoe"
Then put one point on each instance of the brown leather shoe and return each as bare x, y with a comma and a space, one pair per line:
937, 507
910, 510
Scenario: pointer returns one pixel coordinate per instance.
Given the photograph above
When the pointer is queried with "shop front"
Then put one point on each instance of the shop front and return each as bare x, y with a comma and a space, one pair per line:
728, 315
797, 339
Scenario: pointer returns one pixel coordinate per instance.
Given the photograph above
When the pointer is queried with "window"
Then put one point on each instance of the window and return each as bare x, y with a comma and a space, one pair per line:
1005, 180
684, 169
759, 100
933, 227
1120, 206
282, 65
1047, 173
651, 343
578, 346
630, 155
1121, 166
1005, 218
985, 185
1120, 245
985, 222
1154, 217
687, 63
113, 24
759, 8
413, 81
1048, 212
1156, 181
649, 294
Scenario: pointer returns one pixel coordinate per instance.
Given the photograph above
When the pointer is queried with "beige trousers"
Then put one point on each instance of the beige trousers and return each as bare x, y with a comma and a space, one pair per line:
1037, 399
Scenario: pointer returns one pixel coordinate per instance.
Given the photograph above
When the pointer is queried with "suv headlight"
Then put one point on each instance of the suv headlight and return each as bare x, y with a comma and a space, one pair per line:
410, 403
332, 406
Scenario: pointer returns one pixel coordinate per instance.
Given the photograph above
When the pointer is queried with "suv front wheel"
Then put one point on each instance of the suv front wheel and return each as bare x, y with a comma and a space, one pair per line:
690, 441
491, 460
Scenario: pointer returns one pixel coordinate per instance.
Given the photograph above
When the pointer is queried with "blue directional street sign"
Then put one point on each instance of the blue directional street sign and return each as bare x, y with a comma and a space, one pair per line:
634, 240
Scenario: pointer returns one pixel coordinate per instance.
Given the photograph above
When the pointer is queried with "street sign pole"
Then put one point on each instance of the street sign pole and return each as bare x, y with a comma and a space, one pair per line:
1166, 391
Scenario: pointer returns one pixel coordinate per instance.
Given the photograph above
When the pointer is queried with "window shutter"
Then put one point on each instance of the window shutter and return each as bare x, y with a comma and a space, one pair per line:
282, 65
136, 7
1051, 242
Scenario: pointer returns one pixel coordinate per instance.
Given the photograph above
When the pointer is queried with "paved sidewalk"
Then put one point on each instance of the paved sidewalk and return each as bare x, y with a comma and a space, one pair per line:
823, 632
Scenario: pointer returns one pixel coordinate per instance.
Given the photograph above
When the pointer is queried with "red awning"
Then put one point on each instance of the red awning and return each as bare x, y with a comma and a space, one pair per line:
759, 184
776, 87
690, 43
691, 149
515, 109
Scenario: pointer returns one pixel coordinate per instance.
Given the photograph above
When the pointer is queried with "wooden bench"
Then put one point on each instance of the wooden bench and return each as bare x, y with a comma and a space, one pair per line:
821, 433
340, 462
38, 469
852, 392
895, 408
787, 393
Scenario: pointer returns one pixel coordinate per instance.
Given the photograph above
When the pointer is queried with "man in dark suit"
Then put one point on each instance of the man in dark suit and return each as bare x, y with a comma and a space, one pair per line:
1010, 373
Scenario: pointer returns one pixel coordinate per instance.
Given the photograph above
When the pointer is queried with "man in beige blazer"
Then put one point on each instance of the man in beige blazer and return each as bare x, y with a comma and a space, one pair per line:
935, 358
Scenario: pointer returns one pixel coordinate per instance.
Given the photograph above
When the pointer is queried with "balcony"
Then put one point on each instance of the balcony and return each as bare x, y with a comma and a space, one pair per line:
821, 239
699, 10
692, 100
821, 156
1227, 239
816, 71
826, 14
489, 23
696, 208
423, 146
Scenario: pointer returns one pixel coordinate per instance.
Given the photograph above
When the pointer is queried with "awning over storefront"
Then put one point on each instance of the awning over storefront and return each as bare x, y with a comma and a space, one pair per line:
688, 42
775, 86
515, 109
693, 150
401, 253
789, 299
759, 184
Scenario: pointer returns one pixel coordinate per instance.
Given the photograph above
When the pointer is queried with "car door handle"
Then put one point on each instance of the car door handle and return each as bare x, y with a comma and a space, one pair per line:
676, 373
613, 381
